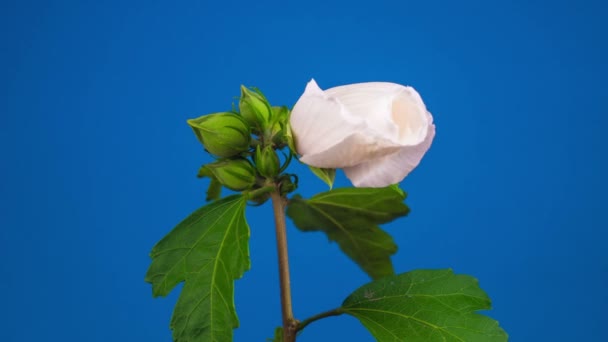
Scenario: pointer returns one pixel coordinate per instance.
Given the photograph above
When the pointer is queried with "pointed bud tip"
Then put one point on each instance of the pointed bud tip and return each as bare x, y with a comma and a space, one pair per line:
222, 134
254, 108
237, 175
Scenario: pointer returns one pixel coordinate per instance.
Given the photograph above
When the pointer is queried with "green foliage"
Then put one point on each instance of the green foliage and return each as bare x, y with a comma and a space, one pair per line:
350, 216
326, 175
278, 335
424, 306
214, 191
208, 251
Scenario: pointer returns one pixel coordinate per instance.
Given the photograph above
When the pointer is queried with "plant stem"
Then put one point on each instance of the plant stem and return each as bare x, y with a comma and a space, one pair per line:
304, 323
289, 322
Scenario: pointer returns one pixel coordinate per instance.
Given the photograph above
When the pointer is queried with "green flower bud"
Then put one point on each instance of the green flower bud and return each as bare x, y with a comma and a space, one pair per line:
287, 185
267, 161
260, 196
280, 114
237, 175
260, 199
281, 129
254, 108
222, 134
278, 120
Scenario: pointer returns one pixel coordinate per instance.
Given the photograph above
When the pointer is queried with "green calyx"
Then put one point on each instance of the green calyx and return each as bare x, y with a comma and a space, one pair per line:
222, 134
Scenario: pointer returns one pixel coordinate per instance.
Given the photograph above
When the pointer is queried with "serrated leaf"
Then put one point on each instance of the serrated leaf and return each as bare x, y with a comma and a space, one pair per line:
350, 216
208, 250
326, 175
424, 306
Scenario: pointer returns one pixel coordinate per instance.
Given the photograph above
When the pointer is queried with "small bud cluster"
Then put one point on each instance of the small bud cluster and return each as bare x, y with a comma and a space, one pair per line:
245, 144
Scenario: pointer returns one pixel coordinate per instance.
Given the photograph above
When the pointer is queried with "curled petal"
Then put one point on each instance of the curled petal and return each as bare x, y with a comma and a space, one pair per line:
319, 121
392, 168
377, 132
396, 112
355, 149
328, 135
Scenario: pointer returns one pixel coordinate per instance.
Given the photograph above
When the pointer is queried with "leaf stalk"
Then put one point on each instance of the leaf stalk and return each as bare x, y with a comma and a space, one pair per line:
304, 323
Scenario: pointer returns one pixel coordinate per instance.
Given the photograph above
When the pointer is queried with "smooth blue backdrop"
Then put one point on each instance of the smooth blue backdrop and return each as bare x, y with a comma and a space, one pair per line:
97, 162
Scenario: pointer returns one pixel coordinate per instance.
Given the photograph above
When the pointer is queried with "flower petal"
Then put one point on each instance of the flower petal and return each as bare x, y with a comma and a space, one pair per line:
319, 122
392, 168
328, 135
392, 110
353, 150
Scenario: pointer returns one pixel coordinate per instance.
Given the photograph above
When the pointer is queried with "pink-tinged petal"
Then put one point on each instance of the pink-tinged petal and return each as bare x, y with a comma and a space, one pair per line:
394, 111
392, 168
353, 150
319, 121
328, 135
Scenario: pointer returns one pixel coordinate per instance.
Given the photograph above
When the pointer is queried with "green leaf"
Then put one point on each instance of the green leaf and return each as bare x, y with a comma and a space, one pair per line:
350, 216
278, 335
214, 191
208, 250
326, 175
424, 306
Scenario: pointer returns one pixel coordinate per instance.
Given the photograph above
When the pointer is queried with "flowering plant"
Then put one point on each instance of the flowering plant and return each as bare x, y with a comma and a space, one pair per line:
377, 133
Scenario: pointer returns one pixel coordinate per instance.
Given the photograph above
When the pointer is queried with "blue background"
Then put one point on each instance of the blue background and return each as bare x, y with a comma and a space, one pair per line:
98, 163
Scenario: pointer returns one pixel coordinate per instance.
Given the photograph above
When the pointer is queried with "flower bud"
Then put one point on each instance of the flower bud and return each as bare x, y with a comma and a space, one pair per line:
259, 196
287, 185
222, 134
254, 108
267, 161
237, 175
281, 129
280, 114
